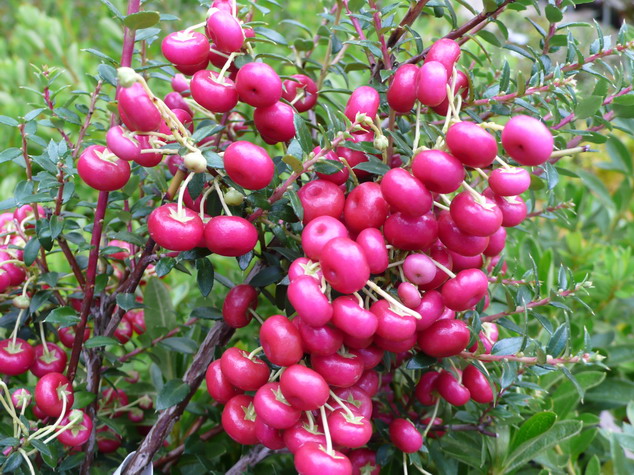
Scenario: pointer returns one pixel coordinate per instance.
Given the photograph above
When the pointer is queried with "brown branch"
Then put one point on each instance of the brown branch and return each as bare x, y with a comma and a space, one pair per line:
89, 114
218, 335
525, 359
255, 455
63, 244
550, 209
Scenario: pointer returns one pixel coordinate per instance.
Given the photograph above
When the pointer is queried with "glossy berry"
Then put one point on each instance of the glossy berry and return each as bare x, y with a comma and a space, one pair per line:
471, 144
213, 94
79, 433
53, 362
102, 170
338, 177
218, 386
312, 459
475, 215
258, 85
304, 388
431, 83
185, 47
365, 207
351, 431
242, 372
301, 434
230, 236
281, 341
411, 233
363, 100
324, 340
445, 51
391, 325
426, 388
275, 123
458, 241
344, 265
50, 391
419, 269
477, 384
268, 436
306, 297
364, 462
173, 230
451, 389
122, 143
513, 208
340, 370
527, 140
352, 318
405, 436
510, 181
235, 308
438, 171
225, 31
249, 165
444, 338
271, 405
401, 95
300, 85
319, 232
137, 110
408, 294
321, 198
15, 358
373, 245
405, 193
238, 419
465, 290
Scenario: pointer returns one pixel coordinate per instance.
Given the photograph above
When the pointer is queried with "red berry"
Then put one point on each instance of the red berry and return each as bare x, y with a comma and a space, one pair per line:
268, 436
352, 318
273, 408
321, 198
15, 358
319, 232
301, 434
258, 85
323, 340
430, 308
304, 388
225, 31
242, 372
444, 338
54, 362
230, 236
344, 265
445, 51
312, 306
238, 419
527, 140
401, 95
281, 341
137, 110
373, 245
426, 388
405, 436
235, 309
102, 170
392, 326
477, 384
50, 391
478, 216
471, 144
185, 47
307, 88
213, 94
218, 386
275, 123
452, 390
249, 165
458, 241
79, 433
509, 181
173, 230
405, 193
411, 233
464, 291
363, 100
341, 370
312, 459
365, 207
349, 431
431, 83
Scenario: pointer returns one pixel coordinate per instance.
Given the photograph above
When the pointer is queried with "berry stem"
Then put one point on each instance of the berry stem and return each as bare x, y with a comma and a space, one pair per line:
392, 300
568, 151
16, 327
43, 337
254, 352
203, 200
324, 421
221, 198
256, 316
405, 472
417, 133
225, 67
27, 460
443, 268
529, 360
181, 195
8, 406
432, 419
195, 27
502, 162
44, 431
342, 404
482, 173
438, 205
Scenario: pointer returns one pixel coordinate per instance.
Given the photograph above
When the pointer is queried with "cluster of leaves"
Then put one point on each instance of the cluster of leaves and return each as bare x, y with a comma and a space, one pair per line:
570, 72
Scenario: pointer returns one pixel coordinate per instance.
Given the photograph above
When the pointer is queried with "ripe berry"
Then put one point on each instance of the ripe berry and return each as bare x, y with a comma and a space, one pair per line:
471, 144
475, 215
411, 233
230, 236
185, 47
497, 241
281, 341
373, 245
477, 384
218, 386
271, 405
363, 100
451, 389
405, 193
249, 165
513, 208
213, 94
509, 181
401, 95
341, 370
174, 100
419, 269
312, 459
391, 325
50, 391
444, 338
344, 265
258, 85
242, 372
438, 171
301, 434
353, 319
225, 31
351, 431
235, 308
364, 462
338, 177
465, 290
312, 306
173, 230
79, 433
365, 207
405, 436
426, 388
268, 436
323, 340
54, 362
238, 419
15, 358
275, 123
409, 294
458, 241
321, 198
137, 110
445, 51
431, 83
319, 232
306, 87
304, 388
527, 140
102, 170
122, 143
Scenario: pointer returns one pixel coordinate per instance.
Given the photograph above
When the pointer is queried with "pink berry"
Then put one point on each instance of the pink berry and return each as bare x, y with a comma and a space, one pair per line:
431, 83
401, 95
249, 165
275, 123
471, 144
258, 85
405, 193
509, 181
527, 140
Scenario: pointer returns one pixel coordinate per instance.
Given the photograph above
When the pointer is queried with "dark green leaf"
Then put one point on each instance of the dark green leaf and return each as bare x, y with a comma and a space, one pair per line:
267, 276
31, 250
159, 312
173, 392
139, 20
303, 134
62, 316
588, 106
181, 345
536, 425
128, 302
98, 341
205, 275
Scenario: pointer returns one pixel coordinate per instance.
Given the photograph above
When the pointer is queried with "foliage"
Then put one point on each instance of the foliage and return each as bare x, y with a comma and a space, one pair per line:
567, 292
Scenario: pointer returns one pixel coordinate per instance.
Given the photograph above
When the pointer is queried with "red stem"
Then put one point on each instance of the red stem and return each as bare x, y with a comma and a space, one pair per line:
89, 288
378, 26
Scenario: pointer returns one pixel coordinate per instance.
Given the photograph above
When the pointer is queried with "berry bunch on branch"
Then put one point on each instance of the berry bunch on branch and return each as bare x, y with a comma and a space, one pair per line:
364, 215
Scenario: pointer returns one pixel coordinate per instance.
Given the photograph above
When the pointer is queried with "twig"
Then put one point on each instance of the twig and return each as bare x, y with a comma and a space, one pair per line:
550, 209
255, 455
525, 359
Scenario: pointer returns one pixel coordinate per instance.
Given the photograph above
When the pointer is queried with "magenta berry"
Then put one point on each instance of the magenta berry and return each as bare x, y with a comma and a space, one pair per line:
405, 436
275, 123
321, 198
477, 384
465, 290
185, 47
471, 144
230, 236
249, 165
174, 230
258, 85
527, 140
405, 193
344, 265
411, 233
444, 338
476, 215
318, 232
438, 171
373, 245
431, 83
364, 100
225, 31
213, 94
509, 181
137, 110
102, 170
446, 52
401, 95
300, 84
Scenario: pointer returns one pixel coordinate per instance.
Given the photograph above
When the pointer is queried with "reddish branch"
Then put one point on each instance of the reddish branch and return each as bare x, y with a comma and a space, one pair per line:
359, 30
376, 17
525, 359
550, 209
70, 257
89, 287
409, 18
533, 304
463, 30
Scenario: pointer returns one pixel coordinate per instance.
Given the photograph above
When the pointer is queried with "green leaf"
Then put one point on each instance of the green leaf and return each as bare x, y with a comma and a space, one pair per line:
130, 237
588, 106
31, 250
98, 341
13, 463
108, 74
159, 312
420, 361
565, 398
82, 399
536, 425
534, 447
303, 134
213, 159
41, 446
205, 275
62, 316
112, 8
296, 204
594, 465
164, 266
554, 14
295, 163
272, 35
11, 122
489, 38
128, 302
180, 345
624, 106
558, 341
139, 20
173, 392
267, 276
375, 167
10, 154
507, 346
612, 391
597, 186
207, 313
328, 167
